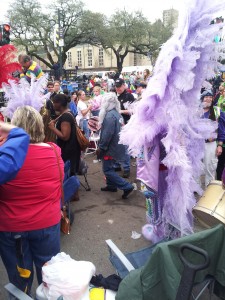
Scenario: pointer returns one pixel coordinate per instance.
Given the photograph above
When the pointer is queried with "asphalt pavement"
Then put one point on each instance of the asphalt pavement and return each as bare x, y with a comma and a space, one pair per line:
100, 216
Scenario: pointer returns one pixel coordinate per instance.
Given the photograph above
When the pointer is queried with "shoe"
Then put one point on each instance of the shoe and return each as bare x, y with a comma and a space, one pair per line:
117, 169
126, 174
76, 197
108, 189
126, 193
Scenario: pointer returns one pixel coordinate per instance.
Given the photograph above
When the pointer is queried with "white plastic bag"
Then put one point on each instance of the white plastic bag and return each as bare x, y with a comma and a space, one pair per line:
64, 276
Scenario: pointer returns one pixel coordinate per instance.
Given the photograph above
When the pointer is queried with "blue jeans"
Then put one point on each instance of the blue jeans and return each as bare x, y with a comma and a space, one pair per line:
113, 180
95, 113
38, 247
125, 163
84, 126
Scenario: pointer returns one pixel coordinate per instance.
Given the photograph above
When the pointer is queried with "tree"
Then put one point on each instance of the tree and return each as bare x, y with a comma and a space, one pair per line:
130, 32
33, 29
123, 33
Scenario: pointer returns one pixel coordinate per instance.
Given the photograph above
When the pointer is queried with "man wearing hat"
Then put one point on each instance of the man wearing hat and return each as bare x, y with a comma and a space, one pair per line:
123, 97
140, 88
214, 147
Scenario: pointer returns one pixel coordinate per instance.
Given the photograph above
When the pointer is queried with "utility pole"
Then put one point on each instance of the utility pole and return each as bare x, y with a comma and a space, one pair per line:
60, 49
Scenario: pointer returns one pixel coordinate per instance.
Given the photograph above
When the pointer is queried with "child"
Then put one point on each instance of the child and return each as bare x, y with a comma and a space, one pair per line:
96, 101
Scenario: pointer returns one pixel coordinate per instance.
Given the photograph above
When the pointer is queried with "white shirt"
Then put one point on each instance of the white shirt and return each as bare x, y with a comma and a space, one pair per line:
81, 105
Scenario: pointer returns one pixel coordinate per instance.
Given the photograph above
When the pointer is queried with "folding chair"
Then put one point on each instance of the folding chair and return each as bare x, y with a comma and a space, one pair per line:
157, 272
83, 167
94, 135
93, 139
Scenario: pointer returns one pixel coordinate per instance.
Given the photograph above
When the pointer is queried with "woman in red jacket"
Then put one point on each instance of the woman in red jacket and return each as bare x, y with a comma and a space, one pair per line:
30, 203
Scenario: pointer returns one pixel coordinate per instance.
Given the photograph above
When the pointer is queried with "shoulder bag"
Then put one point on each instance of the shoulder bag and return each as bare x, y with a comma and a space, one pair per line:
81, 138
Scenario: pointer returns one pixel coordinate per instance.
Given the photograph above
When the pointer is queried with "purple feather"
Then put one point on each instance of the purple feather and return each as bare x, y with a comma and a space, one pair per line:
23, 93
170, 106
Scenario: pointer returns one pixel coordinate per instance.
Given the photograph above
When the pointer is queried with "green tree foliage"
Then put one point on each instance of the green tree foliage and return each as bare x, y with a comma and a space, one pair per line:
131, 32
123, 32
33, 29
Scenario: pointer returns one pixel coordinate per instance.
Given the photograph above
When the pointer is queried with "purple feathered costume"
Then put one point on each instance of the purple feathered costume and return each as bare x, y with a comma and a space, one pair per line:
168, 118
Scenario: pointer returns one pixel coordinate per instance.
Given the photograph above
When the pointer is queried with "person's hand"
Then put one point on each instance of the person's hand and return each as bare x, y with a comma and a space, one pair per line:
6, 127
219, 150
4, 131
51, 125
89, 106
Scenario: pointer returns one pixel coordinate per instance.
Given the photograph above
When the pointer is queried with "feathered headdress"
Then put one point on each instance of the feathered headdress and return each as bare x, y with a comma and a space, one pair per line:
24, 93
170, 106
7, 63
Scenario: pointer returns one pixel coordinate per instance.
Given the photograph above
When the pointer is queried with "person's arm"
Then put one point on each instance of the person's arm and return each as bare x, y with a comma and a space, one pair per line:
221, 133
107, 133
85, 111
12, 152
26, 75
64, 133
130, 99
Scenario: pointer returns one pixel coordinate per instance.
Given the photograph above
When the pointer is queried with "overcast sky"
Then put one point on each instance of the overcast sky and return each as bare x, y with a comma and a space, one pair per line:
152, 9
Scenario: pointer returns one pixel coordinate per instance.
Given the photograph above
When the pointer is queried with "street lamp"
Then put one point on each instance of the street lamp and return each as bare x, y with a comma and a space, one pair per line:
60, 49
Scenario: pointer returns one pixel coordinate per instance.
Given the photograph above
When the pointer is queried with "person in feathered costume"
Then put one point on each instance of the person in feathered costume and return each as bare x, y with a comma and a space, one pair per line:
7, 63
13, 141
167, 128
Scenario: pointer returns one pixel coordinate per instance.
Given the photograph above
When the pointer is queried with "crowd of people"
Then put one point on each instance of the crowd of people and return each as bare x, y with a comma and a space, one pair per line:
35, 147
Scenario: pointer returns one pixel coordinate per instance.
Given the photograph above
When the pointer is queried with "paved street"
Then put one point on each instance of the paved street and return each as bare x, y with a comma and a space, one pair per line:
100, 216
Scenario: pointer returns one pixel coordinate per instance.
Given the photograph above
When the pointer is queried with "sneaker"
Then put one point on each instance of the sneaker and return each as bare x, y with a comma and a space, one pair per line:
126, 193
126, 174
108, 189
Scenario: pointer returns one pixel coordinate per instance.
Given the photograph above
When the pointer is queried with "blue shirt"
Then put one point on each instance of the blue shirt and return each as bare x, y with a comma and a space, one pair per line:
13, 153
72, 106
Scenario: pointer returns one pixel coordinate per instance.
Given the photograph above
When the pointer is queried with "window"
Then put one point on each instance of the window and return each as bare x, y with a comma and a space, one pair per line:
69, 57
89, 57
135, 59
101, 57
79, 58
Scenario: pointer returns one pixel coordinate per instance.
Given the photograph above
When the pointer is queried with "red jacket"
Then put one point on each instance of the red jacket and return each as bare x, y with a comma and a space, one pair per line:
31, 201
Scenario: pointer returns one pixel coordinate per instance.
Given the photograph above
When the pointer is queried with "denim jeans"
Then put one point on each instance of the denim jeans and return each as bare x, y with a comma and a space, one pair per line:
84, 126
38, 247
113, 180
95, 113
125, 163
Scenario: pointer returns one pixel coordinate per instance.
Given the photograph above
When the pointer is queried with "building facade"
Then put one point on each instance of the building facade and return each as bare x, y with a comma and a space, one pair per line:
88, 58
170, 17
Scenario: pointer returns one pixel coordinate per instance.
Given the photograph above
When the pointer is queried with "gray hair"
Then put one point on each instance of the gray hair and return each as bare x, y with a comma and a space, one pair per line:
31, 121
24, 58
109, 102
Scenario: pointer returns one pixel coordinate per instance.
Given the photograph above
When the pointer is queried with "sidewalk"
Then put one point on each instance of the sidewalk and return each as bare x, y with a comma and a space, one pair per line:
100, 216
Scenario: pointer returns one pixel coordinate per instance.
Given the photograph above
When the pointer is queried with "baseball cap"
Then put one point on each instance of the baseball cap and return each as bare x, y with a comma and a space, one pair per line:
206, 93
119, 82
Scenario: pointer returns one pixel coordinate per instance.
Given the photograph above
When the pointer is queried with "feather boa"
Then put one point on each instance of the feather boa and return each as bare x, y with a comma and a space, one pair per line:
24, 93
170, 106
7, 63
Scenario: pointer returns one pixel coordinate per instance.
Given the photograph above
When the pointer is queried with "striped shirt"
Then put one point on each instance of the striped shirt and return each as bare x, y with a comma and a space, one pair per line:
34, 70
